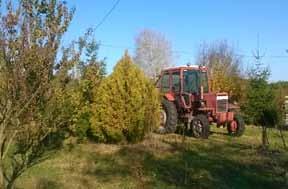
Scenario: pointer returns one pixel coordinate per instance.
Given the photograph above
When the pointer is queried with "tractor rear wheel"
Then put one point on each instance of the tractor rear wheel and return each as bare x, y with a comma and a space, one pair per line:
168, 117
236, 127
200, 127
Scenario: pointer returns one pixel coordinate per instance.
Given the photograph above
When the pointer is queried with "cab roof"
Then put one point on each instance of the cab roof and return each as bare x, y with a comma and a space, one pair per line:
186, 67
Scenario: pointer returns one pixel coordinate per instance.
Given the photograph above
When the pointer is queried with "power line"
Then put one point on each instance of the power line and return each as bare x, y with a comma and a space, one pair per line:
133, 48
107, 15
115, 46
275, 56
187, 52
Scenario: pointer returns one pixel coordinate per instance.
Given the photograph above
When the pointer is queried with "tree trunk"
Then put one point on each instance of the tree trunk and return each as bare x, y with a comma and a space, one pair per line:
10, 185
2, 182
2, 179
265, 141
282, 137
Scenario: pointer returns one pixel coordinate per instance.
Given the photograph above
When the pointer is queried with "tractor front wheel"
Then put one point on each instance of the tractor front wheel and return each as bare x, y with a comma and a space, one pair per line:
236, 127
168, 115
200, 127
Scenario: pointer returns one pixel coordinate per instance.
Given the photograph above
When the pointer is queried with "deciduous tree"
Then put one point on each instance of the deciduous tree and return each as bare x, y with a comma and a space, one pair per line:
31, 81
153, 52
224, 68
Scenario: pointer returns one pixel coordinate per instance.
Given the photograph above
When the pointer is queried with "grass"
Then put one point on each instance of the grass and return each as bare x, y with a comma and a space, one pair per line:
166, 161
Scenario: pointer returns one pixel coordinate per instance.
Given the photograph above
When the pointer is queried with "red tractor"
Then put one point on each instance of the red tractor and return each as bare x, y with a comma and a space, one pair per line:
187, 99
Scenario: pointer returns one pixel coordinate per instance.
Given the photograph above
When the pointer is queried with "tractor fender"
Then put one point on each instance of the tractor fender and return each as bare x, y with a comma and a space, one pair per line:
169, 97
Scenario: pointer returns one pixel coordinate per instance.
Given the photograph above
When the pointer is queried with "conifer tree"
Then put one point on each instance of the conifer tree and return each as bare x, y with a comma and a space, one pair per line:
125, 105
260, 108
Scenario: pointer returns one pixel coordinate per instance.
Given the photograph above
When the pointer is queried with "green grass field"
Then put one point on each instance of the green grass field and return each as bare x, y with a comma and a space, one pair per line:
166, 161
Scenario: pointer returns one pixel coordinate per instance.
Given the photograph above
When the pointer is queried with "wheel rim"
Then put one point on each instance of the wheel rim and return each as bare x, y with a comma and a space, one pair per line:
197, 128
233, 126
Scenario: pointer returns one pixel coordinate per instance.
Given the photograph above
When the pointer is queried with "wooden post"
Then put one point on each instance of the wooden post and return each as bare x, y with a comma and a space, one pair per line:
286, 111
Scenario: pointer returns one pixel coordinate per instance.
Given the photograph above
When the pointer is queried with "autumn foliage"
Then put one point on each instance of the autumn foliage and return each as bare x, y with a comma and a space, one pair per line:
224, 65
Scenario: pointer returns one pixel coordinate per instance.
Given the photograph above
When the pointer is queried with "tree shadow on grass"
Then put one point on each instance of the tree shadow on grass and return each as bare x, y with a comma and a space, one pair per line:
208, 167
190, 170
108, 167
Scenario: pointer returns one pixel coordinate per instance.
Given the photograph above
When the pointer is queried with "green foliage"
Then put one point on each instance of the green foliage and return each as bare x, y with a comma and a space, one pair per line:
280, 90
30, 35
80, 114
74, 99
40, 96
74, 94
77, 107
260, 107
125, 105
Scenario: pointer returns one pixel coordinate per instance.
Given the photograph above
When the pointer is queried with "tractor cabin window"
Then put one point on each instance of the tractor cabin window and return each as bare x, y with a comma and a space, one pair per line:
176, 81
165, 83
204, 82
191, 81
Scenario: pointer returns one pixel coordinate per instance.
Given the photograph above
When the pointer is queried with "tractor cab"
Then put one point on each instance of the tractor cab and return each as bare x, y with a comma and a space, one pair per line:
184, 80
186, 93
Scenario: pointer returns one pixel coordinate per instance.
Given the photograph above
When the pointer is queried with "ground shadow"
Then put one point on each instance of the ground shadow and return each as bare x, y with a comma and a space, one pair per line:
193, 170
187, 168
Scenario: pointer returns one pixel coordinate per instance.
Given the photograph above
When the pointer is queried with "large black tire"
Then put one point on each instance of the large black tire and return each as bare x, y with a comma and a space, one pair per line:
200, 127
240, 127
170, 124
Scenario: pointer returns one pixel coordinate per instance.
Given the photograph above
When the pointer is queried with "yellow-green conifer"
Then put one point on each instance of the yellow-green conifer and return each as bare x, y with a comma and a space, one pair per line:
125, 105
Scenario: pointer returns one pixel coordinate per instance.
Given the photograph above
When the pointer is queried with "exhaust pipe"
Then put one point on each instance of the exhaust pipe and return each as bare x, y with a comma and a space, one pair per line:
201, 92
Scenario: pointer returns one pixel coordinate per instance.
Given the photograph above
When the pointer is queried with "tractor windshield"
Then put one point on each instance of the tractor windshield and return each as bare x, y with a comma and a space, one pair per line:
193, 79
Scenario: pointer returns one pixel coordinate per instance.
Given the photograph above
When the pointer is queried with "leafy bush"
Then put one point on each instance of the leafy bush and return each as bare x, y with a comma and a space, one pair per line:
126, 105
74, 90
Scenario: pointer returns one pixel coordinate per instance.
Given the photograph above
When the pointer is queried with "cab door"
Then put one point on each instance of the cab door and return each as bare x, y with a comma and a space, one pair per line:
164, 83
175, 82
